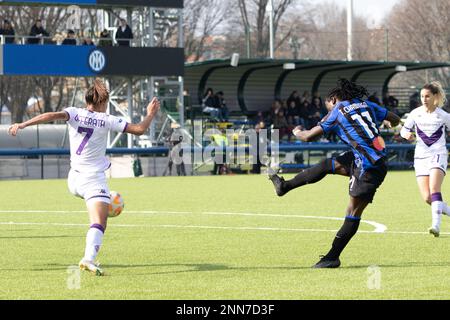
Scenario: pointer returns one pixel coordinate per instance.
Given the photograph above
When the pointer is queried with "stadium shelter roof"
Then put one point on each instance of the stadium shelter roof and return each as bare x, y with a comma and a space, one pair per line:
255, 83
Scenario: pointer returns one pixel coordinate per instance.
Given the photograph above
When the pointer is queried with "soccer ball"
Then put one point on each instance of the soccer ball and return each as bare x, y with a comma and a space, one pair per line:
116, 206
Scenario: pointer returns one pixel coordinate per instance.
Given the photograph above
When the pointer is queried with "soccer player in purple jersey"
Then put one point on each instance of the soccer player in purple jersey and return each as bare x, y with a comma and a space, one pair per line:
88, 133
430, 123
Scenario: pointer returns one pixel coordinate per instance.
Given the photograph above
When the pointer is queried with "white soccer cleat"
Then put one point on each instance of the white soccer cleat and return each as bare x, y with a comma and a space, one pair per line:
434, 231
91, 267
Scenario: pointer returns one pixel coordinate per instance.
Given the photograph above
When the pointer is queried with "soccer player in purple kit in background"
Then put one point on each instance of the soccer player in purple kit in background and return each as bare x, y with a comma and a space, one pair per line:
430, 123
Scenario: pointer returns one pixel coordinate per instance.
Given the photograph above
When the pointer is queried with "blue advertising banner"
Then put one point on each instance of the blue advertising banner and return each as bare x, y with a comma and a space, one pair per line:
88, 61
48, 60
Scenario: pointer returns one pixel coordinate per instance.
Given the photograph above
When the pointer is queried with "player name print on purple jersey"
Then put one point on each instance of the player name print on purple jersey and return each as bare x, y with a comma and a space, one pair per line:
88, 132
88, 121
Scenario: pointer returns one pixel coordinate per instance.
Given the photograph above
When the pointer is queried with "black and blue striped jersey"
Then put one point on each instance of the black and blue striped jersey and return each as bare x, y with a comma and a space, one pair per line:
357, 123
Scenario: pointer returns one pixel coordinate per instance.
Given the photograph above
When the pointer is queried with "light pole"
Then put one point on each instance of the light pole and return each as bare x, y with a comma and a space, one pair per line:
247, 39
271, 14
349, 29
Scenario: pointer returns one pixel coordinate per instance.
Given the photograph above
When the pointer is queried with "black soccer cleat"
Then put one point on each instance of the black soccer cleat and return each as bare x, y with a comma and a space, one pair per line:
278, 183
327, 263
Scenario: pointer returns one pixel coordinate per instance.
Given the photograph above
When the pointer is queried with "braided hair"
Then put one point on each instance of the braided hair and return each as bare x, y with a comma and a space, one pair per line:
347, 90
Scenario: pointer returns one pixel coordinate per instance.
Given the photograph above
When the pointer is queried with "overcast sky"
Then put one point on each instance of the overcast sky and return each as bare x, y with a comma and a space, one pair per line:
374, 10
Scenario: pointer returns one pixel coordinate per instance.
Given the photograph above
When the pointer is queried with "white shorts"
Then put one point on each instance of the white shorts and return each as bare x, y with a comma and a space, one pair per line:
89, 186
424, 166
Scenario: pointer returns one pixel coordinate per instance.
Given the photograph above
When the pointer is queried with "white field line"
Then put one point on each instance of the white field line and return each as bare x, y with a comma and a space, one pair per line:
163, 226
379, 228
84, 211
202, 227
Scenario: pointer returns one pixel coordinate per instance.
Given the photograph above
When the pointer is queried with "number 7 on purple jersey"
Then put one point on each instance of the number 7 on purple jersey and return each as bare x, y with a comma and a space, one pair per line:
89, 132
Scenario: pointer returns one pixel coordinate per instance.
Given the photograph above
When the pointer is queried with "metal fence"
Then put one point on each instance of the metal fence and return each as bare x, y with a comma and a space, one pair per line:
367, 45
54, 163
58, 40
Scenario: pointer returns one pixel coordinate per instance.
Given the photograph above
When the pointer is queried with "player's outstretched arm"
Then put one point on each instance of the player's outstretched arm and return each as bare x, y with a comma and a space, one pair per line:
407, 130
393, 119
406, 134
308, 135
139, 128
42, 118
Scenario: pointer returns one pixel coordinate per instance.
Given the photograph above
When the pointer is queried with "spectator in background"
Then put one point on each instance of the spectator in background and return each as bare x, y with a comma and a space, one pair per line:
261, 119
123, 34
374, 98
305, 97
70, 39
37, 33
209, 104
304, 113
317, 102
222, 106
105, 39
314, 113
293, 97
276, 107
221, 140
87, 41
8, 32
280, 123
293, 114
176, 151
322, 105
414, 101
390, 102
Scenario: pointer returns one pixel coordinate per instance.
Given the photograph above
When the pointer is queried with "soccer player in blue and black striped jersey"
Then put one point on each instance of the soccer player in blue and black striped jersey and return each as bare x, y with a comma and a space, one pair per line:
356, 122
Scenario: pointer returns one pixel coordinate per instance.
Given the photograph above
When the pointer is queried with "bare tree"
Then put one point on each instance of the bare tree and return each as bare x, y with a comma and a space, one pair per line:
44, 88
324, 34
201, 19
4, 94
420, 31
20, 91
255, 15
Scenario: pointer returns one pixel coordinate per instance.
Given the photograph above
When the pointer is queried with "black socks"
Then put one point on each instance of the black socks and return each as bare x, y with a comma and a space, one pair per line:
347, 231
310, 175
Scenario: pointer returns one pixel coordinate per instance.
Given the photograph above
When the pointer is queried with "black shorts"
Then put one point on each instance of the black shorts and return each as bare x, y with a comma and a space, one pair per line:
363, 183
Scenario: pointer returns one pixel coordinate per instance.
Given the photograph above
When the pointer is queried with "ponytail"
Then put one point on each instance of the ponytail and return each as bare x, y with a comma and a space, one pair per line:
97, 94
435, 88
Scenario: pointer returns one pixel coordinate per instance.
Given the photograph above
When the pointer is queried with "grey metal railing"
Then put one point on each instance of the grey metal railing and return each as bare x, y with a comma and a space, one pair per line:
98, 41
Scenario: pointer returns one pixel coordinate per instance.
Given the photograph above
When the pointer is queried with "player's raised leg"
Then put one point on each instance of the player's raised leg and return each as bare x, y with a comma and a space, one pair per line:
307, 176
345, 233
98, 215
